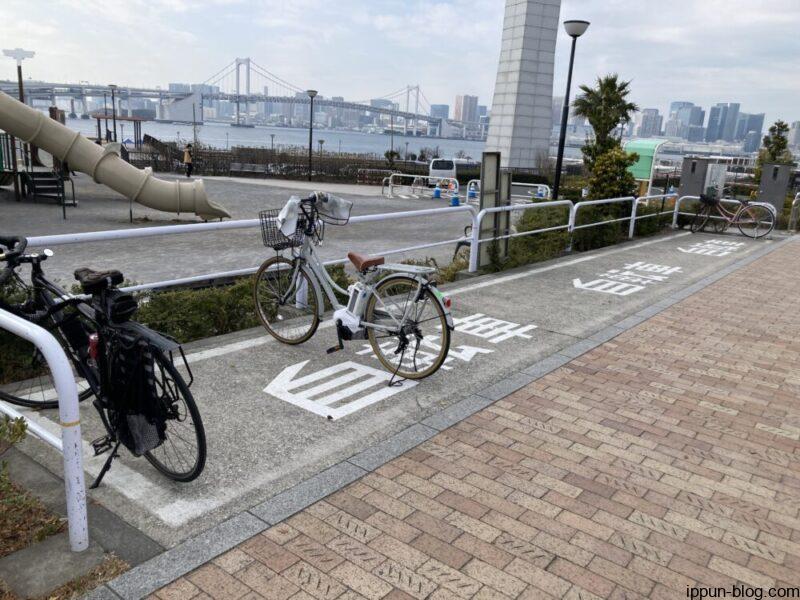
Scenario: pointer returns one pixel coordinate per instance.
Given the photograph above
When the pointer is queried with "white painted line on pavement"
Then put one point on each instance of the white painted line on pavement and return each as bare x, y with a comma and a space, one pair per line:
568, 263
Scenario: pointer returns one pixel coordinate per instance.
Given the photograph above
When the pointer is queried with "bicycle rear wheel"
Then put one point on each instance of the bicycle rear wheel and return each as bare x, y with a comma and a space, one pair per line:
756, 221
182, 456
414, 347
287, 305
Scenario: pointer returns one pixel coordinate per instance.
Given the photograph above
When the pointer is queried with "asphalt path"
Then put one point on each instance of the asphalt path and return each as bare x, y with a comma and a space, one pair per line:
161, 258
266, 406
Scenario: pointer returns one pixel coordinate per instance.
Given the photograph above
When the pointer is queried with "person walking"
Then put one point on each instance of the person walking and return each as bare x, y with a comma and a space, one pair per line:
187, 159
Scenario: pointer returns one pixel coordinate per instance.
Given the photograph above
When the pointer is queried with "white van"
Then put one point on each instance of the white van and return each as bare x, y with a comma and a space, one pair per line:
442, 167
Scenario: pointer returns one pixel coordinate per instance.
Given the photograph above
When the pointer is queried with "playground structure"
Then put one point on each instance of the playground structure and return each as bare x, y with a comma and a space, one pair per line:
104, 164
643, 170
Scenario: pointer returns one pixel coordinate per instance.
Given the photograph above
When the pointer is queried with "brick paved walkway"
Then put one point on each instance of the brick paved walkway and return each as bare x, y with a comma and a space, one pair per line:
665, 458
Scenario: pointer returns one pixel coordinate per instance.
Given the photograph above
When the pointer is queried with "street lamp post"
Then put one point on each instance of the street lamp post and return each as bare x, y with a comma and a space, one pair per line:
272, 142
19, 55
105, 114
311, 94
114, 109
574, 29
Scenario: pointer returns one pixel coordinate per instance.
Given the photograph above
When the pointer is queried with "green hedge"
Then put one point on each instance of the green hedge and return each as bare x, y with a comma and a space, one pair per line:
186, 315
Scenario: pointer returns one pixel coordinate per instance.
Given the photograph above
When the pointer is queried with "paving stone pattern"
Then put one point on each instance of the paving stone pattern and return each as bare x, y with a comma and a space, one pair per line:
667, 457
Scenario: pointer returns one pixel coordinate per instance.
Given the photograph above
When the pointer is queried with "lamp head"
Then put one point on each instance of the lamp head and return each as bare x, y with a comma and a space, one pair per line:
575, 28
311, 93
19, 54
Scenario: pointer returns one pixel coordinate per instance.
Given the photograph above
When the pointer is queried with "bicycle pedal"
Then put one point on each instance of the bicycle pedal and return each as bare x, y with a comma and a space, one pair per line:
102, 445
335, 349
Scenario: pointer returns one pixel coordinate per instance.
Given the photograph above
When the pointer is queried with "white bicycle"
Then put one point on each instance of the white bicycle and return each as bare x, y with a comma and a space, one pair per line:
396, 307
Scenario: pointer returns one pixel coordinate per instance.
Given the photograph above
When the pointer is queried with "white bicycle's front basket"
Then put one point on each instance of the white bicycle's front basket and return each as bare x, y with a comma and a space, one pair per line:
334, 210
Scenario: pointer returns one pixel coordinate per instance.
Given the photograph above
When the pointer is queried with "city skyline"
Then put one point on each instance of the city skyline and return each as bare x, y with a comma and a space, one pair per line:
344, 50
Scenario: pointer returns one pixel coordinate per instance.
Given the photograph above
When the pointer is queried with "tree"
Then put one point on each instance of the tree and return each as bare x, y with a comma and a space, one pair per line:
610, 176
606, 107
775, 149
391, 156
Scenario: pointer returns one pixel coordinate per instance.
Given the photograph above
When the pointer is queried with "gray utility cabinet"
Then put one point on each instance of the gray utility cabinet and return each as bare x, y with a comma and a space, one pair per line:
702, 176
774, 185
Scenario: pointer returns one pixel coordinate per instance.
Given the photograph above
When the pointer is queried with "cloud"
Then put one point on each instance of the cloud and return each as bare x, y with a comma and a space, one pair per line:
705, 51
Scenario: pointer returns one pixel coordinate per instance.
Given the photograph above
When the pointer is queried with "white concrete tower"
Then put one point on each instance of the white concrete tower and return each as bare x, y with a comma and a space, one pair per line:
521, 118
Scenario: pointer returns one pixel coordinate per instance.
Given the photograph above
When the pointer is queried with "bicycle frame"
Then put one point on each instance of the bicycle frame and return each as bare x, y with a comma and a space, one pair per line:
306, 259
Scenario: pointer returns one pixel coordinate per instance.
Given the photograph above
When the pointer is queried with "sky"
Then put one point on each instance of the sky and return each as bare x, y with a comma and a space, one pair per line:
703, 51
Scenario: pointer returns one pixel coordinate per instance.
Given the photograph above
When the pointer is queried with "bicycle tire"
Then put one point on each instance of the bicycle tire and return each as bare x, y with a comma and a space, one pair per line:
267, 290
700, 219
41, 384
374, 339
758, 215
196, 421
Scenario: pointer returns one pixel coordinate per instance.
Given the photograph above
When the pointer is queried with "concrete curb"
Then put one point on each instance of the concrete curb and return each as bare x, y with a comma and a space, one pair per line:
190, 554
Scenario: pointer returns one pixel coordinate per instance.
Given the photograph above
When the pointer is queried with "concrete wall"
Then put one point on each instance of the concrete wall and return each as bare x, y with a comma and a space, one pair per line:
523, 96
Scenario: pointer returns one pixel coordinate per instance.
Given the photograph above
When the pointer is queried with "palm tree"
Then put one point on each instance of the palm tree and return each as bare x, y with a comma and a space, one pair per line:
606, 107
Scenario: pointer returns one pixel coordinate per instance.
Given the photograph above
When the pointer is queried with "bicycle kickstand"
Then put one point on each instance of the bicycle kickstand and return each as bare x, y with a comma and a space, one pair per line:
106, 467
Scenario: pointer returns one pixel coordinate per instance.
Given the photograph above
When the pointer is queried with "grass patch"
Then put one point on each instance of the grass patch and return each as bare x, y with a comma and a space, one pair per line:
23, 518
110, 568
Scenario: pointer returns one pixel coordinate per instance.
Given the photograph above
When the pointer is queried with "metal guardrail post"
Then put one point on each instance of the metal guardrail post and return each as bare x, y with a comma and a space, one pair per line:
69, 419
474, 246
632, 226
795, 214
678, 208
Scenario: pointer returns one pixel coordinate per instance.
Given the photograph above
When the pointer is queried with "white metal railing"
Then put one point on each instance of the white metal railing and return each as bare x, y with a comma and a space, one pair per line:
119, 234
70, 444
419, 183
476, 241
570, 226
795, 214
680, 200
474, 188
476, 218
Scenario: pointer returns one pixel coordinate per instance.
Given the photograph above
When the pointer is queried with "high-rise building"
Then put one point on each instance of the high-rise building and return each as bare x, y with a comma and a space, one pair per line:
696, 133
440, 111
651, 123
716, 122
756, 123
752, 142
691, 115
676, 107
794, 134
466, 109
482, 110
180, 88
674, 128
729, 127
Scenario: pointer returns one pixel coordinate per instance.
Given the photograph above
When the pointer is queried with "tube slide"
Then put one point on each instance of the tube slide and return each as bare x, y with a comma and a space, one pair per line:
104, 164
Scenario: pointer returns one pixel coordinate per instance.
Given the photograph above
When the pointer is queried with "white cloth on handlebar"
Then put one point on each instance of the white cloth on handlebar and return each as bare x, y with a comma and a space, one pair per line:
287, 218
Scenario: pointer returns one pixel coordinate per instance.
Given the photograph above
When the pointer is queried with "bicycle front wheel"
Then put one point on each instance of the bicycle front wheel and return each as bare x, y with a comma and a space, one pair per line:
756, 221
27, 380
182, 455
286, 301
700, 219
407, 328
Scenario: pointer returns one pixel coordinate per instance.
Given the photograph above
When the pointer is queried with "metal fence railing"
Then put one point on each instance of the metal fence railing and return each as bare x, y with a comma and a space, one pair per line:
70, 444
571, 224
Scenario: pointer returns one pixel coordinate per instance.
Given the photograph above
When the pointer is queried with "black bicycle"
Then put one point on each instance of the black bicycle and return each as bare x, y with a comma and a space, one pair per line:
128, 369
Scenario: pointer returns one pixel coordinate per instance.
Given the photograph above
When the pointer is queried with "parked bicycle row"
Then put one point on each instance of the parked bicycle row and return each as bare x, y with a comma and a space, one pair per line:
130, 373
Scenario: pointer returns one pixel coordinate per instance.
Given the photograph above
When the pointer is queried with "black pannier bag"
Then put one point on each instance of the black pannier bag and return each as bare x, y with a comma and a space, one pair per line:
137, 414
